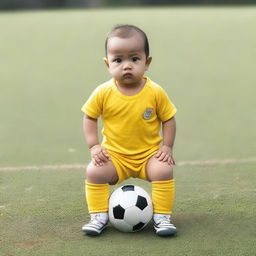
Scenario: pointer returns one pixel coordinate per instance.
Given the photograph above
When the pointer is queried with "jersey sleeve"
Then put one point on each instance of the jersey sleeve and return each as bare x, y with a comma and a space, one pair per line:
165, 108
93, 106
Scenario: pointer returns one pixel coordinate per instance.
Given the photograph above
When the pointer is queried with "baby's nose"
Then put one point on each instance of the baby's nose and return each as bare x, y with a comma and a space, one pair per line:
127, 65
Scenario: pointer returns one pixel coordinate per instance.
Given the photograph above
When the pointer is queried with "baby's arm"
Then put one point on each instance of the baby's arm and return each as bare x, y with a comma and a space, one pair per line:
169, 131
99, 154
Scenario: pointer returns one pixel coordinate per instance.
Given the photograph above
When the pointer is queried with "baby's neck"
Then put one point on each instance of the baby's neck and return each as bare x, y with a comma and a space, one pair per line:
130, 90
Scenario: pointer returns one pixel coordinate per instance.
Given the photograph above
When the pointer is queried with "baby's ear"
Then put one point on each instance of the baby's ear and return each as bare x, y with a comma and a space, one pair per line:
106, 61
148, 61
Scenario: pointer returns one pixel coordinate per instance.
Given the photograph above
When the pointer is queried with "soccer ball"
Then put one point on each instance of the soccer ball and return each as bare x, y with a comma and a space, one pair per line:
130, 208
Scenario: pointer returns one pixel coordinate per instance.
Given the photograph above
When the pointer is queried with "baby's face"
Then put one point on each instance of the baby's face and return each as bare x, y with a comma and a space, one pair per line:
126, 59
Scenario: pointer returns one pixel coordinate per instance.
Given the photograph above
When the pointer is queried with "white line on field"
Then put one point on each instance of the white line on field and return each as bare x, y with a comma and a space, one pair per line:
82, 166
42, 167
219, 161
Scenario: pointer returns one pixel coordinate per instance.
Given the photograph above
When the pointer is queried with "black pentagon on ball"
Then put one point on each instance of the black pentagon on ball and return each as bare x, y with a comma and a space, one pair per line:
141, 202
118, 212
138, 226
128, 188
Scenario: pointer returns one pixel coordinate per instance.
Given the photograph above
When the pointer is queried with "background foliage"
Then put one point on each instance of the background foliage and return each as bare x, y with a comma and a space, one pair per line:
24, 4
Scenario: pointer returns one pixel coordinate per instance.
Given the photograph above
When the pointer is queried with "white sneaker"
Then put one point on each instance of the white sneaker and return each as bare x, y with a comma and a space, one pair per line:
163, 225
97, 223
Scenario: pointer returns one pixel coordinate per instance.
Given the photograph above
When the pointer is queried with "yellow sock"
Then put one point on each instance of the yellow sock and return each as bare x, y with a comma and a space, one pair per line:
163, 196
97, 197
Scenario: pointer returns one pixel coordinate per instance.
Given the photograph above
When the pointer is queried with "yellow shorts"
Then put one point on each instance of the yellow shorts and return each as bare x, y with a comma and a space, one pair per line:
128, 167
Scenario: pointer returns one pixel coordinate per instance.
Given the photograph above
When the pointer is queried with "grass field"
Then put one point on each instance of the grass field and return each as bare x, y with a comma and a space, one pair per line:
50, 62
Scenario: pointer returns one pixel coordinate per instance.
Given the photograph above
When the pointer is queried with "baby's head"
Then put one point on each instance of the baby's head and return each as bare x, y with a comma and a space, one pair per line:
126, 31
127, 55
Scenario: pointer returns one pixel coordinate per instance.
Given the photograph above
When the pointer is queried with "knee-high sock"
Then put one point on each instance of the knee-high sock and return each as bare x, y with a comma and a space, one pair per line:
163, 196
97, 197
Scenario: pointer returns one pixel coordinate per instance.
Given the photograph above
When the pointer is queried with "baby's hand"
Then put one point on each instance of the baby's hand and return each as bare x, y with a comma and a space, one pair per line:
164, 154
99, 155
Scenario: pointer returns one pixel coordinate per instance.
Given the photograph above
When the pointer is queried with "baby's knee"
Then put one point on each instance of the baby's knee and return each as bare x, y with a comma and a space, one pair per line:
95, 174
160, 171
165, 172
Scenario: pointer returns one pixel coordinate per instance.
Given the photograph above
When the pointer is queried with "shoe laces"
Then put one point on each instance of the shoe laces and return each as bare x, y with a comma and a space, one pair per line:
96, 218
166, 219
163, 219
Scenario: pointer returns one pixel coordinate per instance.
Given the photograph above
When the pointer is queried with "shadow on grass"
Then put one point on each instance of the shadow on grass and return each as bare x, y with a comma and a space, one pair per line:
147, 232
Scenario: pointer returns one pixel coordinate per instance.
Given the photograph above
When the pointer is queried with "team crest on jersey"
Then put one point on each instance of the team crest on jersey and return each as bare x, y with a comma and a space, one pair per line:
148, 113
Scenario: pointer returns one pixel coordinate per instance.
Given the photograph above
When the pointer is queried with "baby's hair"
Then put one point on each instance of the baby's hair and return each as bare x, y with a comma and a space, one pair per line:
126, 31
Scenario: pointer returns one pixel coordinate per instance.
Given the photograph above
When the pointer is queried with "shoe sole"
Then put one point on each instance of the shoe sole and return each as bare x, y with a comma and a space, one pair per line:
93, 232
165, 231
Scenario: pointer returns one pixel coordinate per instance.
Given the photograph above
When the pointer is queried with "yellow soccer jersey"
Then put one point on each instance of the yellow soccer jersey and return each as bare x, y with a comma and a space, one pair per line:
131, 124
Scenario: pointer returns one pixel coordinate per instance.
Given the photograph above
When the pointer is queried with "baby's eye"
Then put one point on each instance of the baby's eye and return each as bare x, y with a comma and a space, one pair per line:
134, 59
118, 60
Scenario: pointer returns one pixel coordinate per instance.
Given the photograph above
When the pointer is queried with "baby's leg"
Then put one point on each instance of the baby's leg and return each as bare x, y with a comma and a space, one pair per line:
97, 183
157, 170
163, 185
101, 174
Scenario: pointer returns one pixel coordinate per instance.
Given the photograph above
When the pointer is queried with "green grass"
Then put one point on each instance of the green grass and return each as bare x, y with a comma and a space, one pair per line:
214, 212
51, 61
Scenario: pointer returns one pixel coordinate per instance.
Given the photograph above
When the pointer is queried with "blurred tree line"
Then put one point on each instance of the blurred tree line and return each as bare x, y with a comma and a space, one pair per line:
27, 4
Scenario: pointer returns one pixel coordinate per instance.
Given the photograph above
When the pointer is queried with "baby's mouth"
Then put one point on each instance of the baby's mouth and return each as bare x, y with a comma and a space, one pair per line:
127, 75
